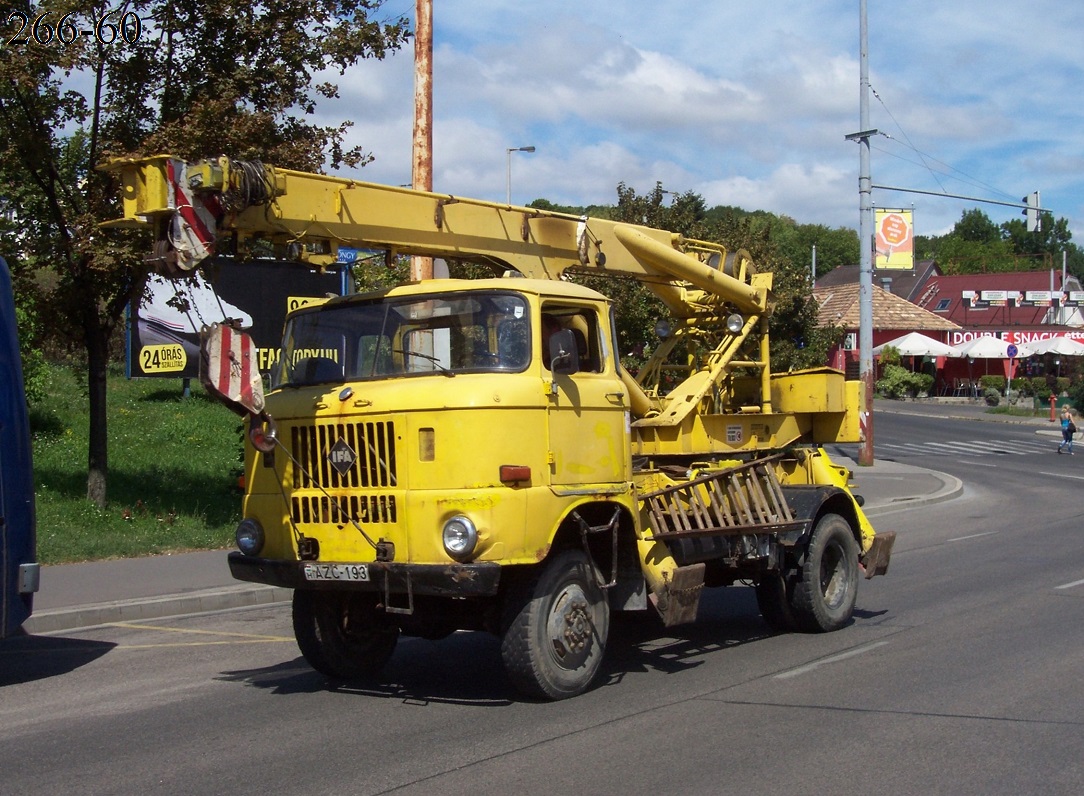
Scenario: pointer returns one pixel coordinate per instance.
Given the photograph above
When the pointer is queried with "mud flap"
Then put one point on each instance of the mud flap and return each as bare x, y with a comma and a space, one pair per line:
875, 561
680, 598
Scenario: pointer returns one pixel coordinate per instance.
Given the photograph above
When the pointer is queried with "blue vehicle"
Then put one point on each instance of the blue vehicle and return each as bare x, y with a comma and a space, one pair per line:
19, 571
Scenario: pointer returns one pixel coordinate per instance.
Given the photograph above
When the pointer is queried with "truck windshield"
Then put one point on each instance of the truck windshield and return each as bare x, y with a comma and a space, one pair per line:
382, 338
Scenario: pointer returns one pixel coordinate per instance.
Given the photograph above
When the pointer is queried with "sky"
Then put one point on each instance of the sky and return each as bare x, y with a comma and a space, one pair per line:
746, 104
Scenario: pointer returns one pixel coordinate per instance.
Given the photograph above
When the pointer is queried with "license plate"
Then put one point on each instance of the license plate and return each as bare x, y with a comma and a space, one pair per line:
345, 572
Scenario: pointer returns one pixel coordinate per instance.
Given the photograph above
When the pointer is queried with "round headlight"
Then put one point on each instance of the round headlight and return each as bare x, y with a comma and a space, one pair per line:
249, 537
734, 323
460, 538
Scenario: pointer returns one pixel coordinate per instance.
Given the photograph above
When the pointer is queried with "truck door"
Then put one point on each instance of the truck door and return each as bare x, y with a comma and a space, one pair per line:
588, 420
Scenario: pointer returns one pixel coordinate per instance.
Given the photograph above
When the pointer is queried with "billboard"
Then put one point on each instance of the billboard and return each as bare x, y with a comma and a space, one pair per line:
895, 237
164, 327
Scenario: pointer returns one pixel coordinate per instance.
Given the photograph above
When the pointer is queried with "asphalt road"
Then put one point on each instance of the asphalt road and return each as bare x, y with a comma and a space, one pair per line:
959, 675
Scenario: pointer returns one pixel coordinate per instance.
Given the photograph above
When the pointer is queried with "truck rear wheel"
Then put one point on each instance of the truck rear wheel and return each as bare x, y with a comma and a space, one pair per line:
342, 634
556, 628
825, 594
774, 603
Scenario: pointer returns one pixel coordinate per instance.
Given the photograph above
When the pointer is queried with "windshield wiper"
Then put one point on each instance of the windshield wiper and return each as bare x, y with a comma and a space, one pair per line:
429, 357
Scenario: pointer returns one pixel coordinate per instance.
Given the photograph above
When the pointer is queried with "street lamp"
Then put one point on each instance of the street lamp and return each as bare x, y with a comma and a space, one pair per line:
508, 152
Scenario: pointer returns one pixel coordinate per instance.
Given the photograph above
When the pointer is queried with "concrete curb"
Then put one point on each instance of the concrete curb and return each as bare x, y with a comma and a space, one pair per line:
195, 602
951, 488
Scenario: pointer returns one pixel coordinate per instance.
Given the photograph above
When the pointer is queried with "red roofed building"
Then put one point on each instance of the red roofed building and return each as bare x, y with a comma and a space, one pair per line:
1018, 306
838, 305
1015, 306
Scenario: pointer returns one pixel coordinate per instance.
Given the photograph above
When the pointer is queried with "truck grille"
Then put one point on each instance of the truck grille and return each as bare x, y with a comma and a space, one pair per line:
332, 457
372, 445
340, 509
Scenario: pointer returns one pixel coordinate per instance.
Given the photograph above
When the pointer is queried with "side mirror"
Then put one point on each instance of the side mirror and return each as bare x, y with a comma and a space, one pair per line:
564, 358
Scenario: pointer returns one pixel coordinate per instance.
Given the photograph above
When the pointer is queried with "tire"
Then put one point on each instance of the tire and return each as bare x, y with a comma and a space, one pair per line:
342, 634
556, 628
774, 603
827, 586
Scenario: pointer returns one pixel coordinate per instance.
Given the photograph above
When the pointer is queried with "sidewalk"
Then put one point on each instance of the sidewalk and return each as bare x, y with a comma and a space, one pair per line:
132, 589
99, 592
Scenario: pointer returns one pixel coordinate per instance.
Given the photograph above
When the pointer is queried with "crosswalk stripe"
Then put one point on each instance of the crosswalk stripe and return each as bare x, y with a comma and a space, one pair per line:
991, 447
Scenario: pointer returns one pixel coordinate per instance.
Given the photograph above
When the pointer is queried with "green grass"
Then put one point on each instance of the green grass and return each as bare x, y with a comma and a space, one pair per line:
173, 469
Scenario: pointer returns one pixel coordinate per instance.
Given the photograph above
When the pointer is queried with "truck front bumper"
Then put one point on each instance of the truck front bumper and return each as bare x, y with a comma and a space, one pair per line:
439, 580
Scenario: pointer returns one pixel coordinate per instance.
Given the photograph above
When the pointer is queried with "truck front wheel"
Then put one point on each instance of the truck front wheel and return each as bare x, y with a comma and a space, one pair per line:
556, 627
342, 634
827, 587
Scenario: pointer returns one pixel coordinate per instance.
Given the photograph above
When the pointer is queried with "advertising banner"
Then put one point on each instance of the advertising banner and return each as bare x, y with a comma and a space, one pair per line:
994, 298
895, 249
1036, 298
164, 328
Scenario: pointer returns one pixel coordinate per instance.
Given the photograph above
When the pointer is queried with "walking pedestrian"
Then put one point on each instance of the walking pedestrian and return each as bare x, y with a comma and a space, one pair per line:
1068, 429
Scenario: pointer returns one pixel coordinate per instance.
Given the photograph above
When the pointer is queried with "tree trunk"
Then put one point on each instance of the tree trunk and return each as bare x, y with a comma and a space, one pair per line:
97, 342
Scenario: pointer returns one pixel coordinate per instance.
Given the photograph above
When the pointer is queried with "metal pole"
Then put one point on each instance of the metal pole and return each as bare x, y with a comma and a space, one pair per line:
865, 241
508, 171
422, 174
508, 184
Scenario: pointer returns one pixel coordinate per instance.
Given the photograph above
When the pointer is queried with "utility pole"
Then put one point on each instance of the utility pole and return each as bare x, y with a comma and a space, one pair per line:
422, 172
865, 244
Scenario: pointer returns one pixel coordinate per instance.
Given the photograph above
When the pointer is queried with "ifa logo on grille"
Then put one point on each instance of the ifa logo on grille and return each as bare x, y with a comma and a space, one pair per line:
341, 456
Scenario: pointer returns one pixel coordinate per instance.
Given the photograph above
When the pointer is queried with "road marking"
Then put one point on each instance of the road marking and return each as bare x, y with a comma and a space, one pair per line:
834, 659
244, 638
970, 447
1064, 475
199, 644
1070, 585
972, 536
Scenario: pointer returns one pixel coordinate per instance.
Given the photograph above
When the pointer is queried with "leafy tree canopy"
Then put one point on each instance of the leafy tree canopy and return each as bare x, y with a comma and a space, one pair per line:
187, 78
797, 341
977, 245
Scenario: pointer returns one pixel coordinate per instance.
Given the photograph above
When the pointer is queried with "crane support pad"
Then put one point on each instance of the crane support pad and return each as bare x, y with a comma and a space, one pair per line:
876, 559
679, 601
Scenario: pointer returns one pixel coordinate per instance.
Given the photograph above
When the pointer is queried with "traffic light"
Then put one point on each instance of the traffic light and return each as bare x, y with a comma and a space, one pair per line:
1035, 223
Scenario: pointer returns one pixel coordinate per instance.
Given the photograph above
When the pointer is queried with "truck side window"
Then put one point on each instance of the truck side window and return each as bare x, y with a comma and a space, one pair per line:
513, 343
585, 330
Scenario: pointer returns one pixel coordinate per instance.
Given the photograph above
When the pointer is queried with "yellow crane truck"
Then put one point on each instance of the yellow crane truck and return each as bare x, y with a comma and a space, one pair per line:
469, 454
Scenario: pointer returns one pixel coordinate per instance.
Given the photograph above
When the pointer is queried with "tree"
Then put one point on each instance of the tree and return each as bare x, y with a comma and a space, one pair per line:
978, 245
797, 341
976, 227
148, 76
975, 245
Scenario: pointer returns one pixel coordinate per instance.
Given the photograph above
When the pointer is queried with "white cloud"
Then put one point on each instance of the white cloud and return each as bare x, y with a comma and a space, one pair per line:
744, 106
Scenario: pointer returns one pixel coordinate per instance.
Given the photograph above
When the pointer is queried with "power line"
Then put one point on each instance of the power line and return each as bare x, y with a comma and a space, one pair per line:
904, 133
926, 159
